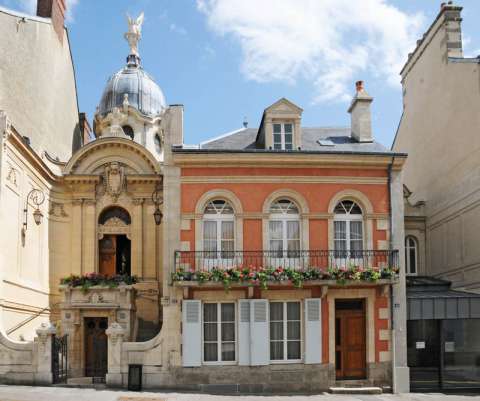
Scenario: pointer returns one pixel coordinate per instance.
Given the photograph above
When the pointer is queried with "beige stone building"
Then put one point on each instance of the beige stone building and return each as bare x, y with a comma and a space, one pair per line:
267, 259
439, 131
40, 125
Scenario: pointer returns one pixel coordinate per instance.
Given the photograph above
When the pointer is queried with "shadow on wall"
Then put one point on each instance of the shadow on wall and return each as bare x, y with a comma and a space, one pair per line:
77, 138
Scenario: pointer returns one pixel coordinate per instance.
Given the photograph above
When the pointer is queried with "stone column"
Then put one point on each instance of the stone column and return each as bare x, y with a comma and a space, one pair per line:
137, 238
89, 236
43, 351
77, 236
115, 333
401, 378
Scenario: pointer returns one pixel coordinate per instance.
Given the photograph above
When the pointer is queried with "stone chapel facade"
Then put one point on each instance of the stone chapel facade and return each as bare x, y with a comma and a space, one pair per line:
268, 259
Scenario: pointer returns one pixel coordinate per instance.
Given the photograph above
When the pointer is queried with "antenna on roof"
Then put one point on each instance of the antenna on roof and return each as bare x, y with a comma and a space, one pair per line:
245, 122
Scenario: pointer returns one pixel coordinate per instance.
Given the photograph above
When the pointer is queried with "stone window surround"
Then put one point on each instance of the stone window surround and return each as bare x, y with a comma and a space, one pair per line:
357, 196
367, 210
237, 221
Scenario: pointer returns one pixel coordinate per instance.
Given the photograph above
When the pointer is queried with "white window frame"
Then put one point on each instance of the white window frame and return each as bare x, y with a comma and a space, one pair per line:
218, 219
284, 218
282, 134
285, 328
408, 271
348, 218
219, 334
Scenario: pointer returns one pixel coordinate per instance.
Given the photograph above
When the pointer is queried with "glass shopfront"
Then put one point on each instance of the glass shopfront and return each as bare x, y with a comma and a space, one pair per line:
444, 353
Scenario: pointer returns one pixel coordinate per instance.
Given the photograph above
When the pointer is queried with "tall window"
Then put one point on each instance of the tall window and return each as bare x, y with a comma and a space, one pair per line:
218, 332
411, 254
218, 230
285, 332
284, 229
348, 227
283, 136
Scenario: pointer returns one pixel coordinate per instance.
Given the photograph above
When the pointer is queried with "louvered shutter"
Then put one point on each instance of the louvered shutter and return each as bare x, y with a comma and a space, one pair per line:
259, 344
313, 330
244, 332
192, 333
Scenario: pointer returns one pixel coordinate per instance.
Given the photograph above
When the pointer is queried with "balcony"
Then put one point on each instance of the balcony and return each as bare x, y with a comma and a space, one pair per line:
260, 267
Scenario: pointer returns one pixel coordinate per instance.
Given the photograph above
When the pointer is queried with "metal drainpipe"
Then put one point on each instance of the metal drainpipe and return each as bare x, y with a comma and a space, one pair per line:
392, 337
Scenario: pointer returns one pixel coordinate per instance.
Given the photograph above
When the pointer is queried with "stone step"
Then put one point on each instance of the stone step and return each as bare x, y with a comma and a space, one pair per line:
355, 390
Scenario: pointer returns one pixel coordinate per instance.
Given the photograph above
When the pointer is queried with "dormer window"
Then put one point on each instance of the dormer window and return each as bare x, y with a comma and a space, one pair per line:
283, 136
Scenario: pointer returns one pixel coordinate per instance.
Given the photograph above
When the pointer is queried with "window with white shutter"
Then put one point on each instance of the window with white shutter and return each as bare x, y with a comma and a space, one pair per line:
244, 332
313, 331
259, 354
191, 333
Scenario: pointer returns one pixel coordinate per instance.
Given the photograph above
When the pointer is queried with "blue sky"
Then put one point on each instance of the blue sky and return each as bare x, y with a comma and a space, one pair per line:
227, 59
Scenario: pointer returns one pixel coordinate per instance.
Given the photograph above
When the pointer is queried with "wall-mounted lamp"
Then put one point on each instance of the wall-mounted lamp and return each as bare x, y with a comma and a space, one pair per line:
37, 197
157, 199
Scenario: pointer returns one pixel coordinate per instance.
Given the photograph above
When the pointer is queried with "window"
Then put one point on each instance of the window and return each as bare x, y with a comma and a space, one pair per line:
283, 136
348, 227
218, 230
128, 130
285, 331
218, 332
411, 254
284, 229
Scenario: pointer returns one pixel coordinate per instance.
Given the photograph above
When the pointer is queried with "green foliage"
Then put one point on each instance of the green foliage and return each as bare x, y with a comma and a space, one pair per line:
94, 279
261, 276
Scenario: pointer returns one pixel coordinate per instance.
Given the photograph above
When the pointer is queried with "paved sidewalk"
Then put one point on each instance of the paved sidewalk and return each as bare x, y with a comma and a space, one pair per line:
25, 393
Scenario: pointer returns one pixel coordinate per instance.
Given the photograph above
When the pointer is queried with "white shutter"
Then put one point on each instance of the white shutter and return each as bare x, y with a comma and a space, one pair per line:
244, 332
259, 345
192, 333
313, 331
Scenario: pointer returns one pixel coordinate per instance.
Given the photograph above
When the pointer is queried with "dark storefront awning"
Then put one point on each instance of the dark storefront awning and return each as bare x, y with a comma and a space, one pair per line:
432, 298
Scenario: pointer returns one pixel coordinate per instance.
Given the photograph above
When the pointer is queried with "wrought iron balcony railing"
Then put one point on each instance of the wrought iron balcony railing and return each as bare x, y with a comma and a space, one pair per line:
299, 260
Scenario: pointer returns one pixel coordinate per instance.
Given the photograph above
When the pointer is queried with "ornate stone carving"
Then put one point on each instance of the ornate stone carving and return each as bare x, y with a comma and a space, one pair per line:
114, 179
96, 298
12, 176
57, 210
116, 119
115, 332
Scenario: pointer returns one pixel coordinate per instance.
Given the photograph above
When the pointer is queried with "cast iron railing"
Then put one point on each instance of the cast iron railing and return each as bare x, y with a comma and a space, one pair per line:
300, 260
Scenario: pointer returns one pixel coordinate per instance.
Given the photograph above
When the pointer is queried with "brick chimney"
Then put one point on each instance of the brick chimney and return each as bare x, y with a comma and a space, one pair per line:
361, 117
54, 9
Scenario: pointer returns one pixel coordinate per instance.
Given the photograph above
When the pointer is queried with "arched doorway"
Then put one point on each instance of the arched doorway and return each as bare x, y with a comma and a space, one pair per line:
114, 244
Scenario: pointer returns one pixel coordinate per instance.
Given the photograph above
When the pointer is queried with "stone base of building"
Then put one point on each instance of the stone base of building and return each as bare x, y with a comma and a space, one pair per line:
291, 378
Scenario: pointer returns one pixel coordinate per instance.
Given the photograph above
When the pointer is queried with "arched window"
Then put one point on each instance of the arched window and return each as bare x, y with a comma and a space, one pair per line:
128, 130
284, 229
218, 230
114, 212
348, 227
411, 254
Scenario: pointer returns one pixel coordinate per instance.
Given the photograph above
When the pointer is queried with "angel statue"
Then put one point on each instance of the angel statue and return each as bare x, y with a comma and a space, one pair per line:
134, 33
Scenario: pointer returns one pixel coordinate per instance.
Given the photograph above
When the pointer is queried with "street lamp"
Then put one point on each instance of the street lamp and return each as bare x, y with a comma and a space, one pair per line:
37, 197
157, 199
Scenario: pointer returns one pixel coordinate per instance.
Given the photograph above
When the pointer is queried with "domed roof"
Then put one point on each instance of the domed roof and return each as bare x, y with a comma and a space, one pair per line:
143, 93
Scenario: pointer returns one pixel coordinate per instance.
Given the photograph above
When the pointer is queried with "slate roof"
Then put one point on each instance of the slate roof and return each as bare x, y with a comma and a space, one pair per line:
244, 140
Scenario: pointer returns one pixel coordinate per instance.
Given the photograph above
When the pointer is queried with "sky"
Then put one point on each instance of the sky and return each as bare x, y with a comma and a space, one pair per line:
227, 60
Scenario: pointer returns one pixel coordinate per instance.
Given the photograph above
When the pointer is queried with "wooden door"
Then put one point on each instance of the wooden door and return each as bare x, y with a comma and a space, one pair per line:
350, 340
108, 255
96, 347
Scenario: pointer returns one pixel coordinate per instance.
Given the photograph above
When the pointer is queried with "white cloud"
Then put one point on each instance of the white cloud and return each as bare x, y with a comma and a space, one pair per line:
330, 43
178, 29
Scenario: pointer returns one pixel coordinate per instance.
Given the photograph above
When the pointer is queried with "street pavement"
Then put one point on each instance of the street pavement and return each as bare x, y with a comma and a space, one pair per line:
26, 393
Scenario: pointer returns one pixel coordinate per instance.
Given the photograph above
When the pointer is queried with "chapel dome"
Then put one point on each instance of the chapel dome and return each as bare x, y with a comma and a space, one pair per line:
143, 93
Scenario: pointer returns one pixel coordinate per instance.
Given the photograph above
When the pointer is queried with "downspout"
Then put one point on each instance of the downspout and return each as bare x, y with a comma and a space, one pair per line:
390, 230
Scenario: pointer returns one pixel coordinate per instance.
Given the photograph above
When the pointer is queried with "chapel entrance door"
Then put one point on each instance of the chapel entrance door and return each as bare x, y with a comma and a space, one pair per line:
114, 255
96, 348
350, 339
